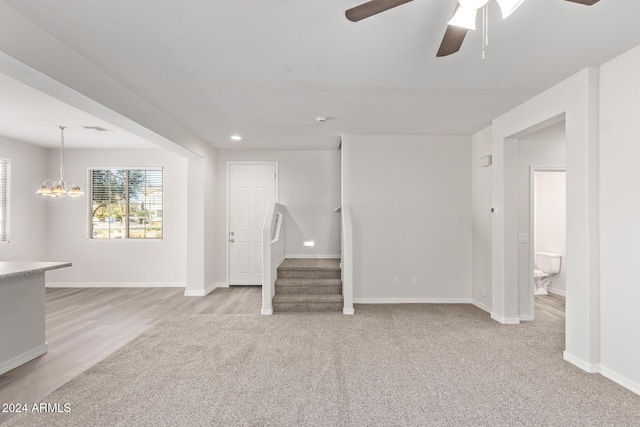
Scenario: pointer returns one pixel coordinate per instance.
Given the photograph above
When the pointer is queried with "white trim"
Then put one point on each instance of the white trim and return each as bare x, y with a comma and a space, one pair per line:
115, 284
348, 312
278, 219
312, 256
620, 379
221, 285
228, 206
532, 228
559, 292
89, 200
14, 362
481, 306
199, 293
412, 300
526, 317
505, 320
346, 261
266, 312
592, 368
281, 260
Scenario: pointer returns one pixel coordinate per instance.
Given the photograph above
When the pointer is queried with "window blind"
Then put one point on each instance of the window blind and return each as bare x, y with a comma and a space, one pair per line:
126, 203
5, 176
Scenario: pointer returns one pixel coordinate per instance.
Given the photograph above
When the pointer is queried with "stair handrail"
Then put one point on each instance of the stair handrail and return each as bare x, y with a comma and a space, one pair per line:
347, 259
273, 251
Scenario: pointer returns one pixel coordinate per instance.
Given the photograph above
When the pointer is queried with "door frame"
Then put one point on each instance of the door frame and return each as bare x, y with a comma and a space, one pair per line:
228, 207
532, 228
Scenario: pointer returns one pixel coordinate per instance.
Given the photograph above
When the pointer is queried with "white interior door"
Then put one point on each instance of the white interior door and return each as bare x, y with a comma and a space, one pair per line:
251, 188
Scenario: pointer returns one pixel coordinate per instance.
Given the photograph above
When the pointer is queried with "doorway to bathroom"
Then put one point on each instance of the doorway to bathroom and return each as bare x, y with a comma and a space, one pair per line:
548, 240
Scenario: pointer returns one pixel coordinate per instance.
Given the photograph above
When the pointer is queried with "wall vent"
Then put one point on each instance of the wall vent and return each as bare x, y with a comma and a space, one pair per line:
97, 129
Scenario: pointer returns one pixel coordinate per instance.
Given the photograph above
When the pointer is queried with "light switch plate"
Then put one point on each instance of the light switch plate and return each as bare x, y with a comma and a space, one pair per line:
523, 238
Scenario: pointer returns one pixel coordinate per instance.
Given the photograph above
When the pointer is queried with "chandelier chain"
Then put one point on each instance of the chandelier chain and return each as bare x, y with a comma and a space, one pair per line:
62, 128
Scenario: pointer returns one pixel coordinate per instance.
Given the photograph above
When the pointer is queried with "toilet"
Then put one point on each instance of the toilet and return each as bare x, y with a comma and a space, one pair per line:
546, 265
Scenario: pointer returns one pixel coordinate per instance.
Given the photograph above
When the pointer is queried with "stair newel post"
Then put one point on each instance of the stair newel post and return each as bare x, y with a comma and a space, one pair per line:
347, 259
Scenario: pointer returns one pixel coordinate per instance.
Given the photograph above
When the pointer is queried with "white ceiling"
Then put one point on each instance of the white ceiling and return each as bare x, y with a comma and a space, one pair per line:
266, 69
34, 117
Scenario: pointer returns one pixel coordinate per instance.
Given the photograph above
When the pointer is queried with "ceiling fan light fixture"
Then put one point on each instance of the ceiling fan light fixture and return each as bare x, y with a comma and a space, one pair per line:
472, 4
509, 6
465, 17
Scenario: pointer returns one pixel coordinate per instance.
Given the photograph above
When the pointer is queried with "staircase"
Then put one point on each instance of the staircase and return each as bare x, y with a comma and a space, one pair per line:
308, 285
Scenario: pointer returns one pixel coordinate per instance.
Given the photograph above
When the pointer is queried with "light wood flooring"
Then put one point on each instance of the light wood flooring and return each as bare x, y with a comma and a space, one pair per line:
86, 325
552, 305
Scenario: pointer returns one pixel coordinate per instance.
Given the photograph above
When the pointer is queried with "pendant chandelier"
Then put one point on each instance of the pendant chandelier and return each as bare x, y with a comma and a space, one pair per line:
60, 188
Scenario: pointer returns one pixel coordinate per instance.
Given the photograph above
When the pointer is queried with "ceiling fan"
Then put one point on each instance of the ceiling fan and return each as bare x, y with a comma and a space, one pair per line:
463, 20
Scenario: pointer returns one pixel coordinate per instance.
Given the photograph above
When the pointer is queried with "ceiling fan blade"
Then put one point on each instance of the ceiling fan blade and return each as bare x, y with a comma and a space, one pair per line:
371, 8
452, 40
585, 2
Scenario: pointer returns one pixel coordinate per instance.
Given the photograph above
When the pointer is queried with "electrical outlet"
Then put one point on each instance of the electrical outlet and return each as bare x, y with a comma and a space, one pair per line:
159, 269
396, 282
414, 281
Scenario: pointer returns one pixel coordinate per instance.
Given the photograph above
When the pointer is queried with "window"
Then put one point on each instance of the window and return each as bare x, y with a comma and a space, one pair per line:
5, 176
125, 203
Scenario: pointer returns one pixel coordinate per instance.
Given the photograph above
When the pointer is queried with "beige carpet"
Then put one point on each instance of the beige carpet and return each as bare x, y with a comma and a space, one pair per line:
433, 365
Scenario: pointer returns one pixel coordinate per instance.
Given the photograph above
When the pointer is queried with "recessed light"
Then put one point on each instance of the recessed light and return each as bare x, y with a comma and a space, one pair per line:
236, 137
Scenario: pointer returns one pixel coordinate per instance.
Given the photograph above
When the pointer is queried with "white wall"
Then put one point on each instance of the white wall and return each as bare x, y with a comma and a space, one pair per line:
309, 187
34, 57
410, 199
118, 262
481, 219
551, 221
576, 100
28, 212
620, 218
545, 147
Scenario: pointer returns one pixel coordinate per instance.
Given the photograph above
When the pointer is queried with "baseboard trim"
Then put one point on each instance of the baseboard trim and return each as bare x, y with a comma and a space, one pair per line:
620, 379
198, 292
412, 300
481, 306
526, 318
559, 292
505, 320
333, 256
280, 261
221, 285
115, 284
268, 312
14, 362
592, 368
348, 311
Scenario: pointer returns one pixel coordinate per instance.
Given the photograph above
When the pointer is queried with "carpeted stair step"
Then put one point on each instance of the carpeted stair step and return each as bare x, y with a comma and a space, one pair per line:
307, 302
297, 268
309, 286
